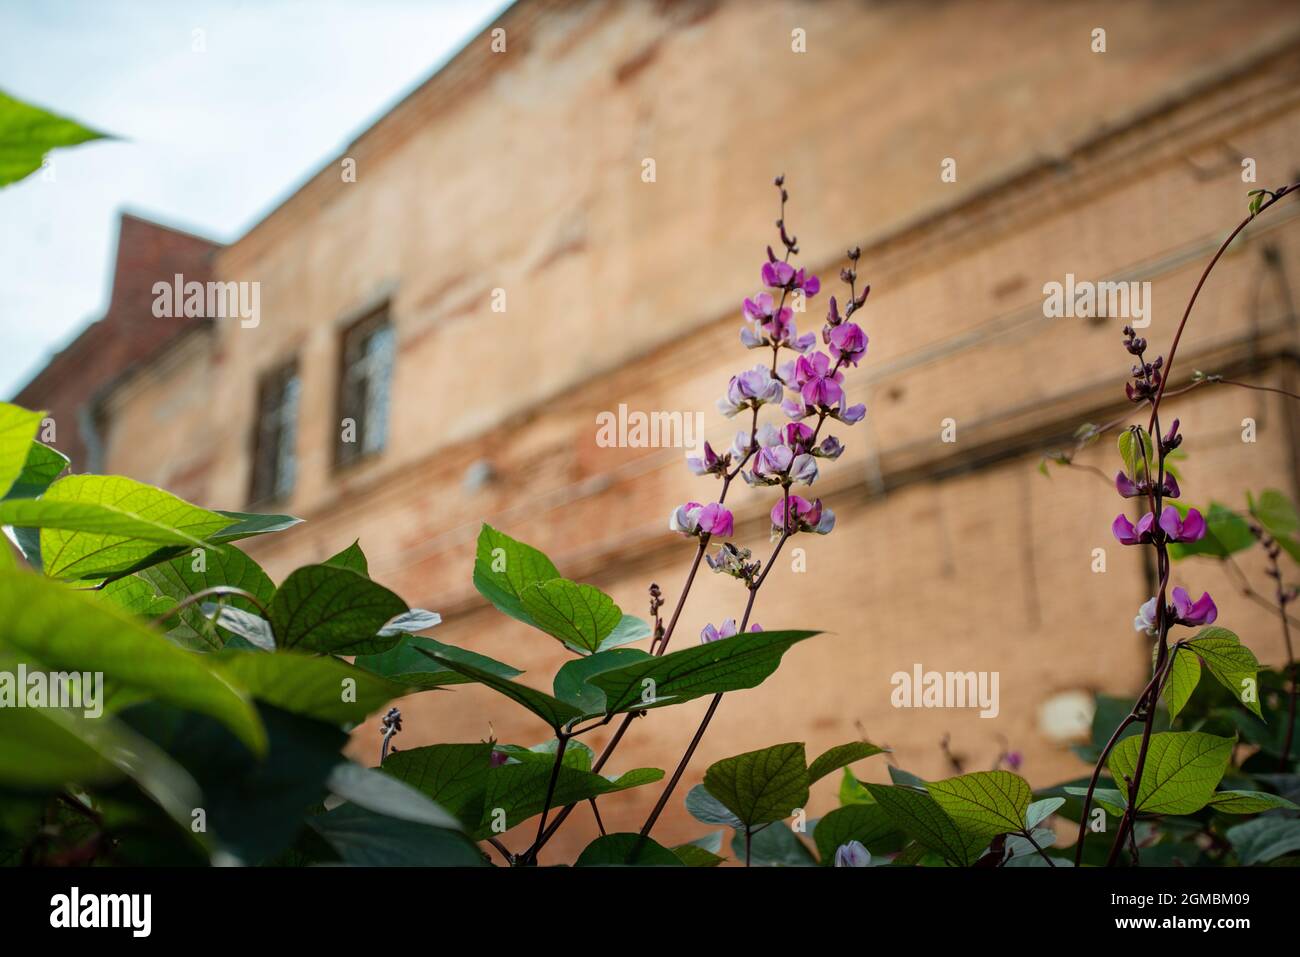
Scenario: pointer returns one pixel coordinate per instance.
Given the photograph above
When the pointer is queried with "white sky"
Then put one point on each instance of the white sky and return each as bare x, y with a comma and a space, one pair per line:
210, 141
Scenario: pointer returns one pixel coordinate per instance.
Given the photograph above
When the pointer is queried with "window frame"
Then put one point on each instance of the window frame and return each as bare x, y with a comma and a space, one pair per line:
350, 390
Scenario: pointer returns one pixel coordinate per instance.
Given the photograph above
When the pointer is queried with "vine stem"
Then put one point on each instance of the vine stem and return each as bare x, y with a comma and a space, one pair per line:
717, 698
1149, 697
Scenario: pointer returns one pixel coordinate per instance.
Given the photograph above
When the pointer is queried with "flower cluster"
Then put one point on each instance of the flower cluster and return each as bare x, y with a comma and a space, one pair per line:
809, 388
1161, 524
727, 630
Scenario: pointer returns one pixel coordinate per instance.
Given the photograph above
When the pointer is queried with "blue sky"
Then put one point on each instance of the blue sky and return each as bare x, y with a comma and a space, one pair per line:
210, 141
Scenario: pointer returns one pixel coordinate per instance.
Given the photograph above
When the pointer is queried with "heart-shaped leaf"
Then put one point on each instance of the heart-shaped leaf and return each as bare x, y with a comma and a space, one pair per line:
984, 803
579, 615
330, 609
731, 664
1181, 771
762, 786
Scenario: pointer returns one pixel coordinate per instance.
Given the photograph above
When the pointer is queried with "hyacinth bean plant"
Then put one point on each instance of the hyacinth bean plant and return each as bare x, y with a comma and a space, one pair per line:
203, 708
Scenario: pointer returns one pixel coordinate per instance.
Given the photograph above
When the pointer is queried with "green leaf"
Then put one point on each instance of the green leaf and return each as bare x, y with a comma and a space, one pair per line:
704, 851
249, 631
1181, 772
852, 792
1109, 799
404, 663
1226, 533
387, 795
64, 630
1265, 839
17, 432
695, 855
324, 688
329, 609
630, 628
366, 839
503, 568
576, 754
571, 680
867, 823
453, 775
250, 524
136, 596
28, 133
628, 850
918, 814
707, 809
773, 845
1276, 513
762, 786
54, 748
553, 711
1231, 662
516, 792
731, 664
581, 616
1184, 675
1248, 802
984, 803
243, 525
42, 467
220, 565
841, 756
1135, 455
351, 558
1040, 811
93, 526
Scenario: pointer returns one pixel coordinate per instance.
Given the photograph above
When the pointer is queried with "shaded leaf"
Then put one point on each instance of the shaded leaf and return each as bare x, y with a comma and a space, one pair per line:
762, 786
1181, 772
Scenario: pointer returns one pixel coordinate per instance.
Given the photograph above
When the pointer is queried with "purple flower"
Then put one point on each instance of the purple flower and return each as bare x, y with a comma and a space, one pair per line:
817, 381
831, 448
1203, 611
695, 519
804, 469
1188, 528
727, 630
851, 415
1183, 611
804, 516
1145, 621
1013, 760
777, 274
497, 758
852, 854
715, 520
847, 342
1131, 489
686, 518
750, 390
809, 283
1126, 534
759, 309
798, 436
710, 462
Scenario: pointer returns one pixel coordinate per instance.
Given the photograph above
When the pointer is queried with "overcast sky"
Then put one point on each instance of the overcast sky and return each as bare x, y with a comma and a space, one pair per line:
210, 141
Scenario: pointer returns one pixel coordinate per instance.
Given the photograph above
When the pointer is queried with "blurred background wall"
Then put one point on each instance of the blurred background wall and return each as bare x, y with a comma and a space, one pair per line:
498, 272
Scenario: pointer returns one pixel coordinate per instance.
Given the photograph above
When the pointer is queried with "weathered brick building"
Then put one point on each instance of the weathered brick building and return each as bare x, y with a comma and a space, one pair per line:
498, 272
124, 339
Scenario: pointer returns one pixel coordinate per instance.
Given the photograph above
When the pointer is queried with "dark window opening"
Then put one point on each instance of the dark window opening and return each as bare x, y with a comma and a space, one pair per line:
275, 440
365, 379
